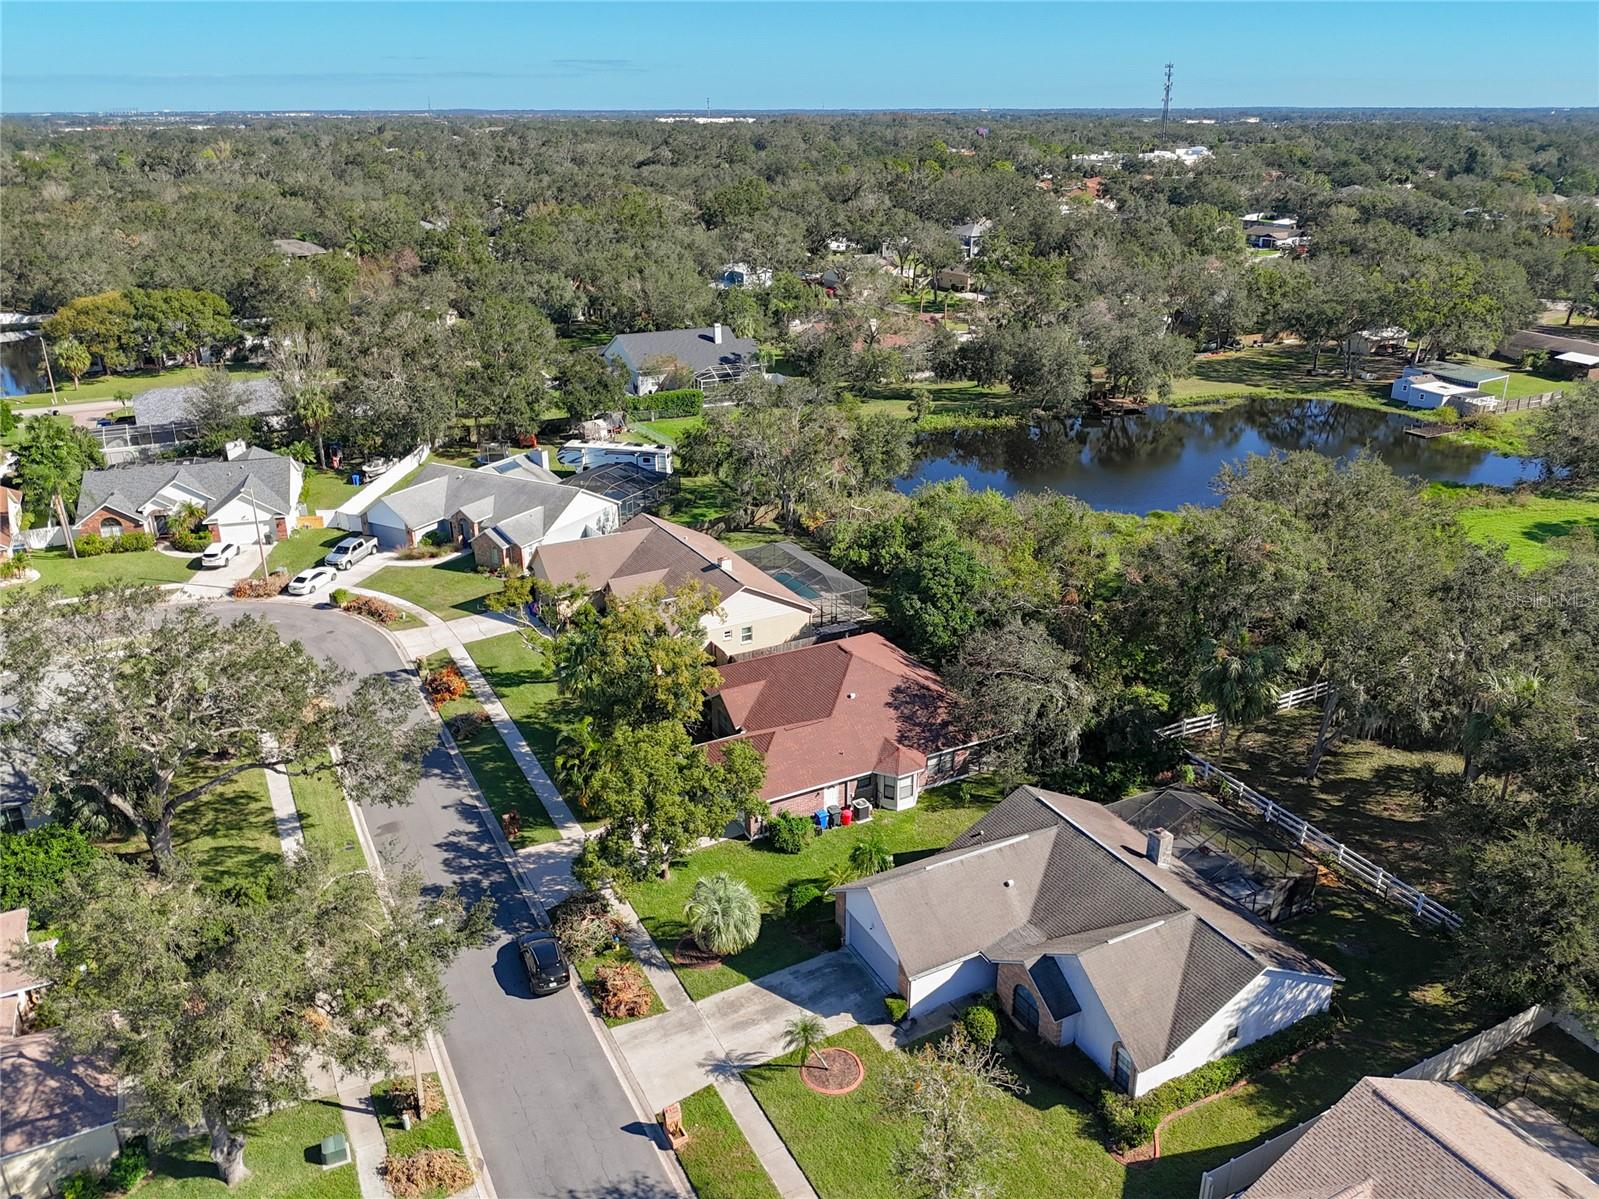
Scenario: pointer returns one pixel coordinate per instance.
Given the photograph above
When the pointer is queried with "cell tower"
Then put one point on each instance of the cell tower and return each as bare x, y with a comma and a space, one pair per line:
1165, 103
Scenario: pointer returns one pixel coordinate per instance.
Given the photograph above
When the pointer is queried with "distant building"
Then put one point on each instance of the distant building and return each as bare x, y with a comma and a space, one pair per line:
707, 355
742, 274
1188, 156
293, 247
1433, 384
970, 237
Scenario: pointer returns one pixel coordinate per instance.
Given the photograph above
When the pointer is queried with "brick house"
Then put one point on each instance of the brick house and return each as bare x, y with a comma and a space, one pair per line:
247, 498
857, 718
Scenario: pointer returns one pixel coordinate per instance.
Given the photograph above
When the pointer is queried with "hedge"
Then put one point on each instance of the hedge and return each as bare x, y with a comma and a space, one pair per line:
681, 401
1130, 1122
34, 864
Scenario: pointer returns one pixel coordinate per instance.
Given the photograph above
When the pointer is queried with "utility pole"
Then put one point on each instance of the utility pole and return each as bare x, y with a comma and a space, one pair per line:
1165, 103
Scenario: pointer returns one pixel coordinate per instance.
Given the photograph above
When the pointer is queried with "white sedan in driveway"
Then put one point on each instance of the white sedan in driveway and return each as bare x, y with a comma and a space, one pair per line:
311, 580
217, 554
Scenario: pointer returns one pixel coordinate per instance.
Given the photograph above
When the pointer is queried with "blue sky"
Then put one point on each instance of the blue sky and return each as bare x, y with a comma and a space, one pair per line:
662, 55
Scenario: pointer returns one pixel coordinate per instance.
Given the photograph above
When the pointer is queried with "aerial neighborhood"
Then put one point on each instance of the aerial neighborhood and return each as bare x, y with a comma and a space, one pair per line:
977, 653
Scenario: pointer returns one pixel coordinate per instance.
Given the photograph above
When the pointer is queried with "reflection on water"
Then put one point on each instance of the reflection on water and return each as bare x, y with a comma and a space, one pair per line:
1167, 458
21, 366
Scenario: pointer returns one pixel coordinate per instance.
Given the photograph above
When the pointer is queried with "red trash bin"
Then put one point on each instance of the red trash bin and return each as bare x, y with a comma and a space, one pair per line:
848, 816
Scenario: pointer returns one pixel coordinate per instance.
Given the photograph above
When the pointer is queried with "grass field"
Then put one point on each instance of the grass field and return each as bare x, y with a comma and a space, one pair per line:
303, 548
436, 1132
1396, 1011
498, 776
717, 1159
227, 836
939, 815
325, 818
326, 488
1553, 1069
57, 568
106, 387
449, 590
668, 429
1367, 794
588, 970
281, 1151
1530, 528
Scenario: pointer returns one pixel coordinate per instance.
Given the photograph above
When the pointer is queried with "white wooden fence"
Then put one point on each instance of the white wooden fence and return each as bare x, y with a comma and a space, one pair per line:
1210, 722
1331, 850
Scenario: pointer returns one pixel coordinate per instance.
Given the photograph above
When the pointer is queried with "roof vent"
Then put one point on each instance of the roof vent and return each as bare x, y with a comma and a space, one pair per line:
1010, 882
851, 695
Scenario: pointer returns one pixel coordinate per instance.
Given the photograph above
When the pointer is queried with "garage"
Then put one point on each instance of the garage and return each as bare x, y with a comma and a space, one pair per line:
246, 532
877, 957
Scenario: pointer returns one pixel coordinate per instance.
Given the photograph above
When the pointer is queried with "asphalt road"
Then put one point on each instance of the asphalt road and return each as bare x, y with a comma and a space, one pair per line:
85, 413
551, 1117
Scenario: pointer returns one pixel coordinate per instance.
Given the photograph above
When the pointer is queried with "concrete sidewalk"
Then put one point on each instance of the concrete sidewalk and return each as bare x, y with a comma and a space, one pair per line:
784, 1171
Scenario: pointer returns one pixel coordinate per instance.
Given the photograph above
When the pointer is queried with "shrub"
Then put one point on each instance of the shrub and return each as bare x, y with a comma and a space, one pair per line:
411, 553
464, 726
1129, 1122
723, 913
802, 896
623, 991
680, 401
265, 588
437, 539
189, 541
1447, 415
789, 833
980, 1024
92, 545
131, 543
374, 609
444, 684
34, 864
82, 1185
338, 597
896, 1008
432, 1171
129, 1167
1065, 1064
585, 924
14, 565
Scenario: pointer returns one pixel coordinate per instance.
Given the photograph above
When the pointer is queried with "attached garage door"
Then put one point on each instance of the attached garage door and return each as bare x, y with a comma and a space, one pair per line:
246, 532
877, 958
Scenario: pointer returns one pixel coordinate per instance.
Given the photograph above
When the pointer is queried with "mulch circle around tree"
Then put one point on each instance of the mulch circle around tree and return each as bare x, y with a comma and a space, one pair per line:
690, 955
837, 1073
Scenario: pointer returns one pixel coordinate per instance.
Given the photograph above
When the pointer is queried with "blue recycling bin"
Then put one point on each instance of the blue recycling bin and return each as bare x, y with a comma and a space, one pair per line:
821, 820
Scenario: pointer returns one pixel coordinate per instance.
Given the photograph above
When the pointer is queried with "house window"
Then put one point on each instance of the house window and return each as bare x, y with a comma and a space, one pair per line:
1232, 1033
1122, 1075
110, 527
13, 819
940, 763
727, 634
746, 634
1024, 1008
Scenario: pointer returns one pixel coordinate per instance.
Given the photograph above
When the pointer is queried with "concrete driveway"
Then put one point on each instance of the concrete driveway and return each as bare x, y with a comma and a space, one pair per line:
676, 1053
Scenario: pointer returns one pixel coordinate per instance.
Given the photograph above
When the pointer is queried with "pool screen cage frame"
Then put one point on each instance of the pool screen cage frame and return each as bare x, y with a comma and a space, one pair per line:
839, 599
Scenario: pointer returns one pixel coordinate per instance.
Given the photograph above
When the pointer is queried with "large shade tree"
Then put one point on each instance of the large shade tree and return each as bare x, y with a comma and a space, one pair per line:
211, 1007
140, 712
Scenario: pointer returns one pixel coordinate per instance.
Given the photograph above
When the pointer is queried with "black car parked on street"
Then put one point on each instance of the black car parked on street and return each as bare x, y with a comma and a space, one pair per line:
547, 971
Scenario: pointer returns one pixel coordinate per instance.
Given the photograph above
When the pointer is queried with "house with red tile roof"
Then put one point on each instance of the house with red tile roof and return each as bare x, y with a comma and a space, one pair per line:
857, 718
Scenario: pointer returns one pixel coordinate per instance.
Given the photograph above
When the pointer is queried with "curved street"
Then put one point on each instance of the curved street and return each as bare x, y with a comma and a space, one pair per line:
550, 1113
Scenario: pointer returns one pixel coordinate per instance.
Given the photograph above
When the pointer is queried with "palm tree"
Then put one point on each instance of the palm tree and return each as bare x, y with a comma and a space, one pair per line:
1238, 682
870, 855
578, 759
1505, 703
723, 913
802, 1035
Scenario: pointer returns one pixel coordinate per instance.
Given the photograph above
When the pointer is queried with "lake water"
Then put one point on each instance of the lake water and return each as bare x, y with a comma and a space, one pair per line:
1166, 458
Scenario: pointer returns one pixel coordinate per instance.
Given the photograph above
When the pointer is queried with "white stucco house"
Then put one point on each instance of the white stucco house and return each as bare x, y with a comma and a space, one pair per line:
501, 517
1090, 932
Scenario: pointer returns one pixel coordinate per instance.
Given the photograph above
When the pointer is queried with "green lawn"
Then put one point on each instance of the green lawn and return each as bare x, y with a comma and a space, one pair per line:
1367, 794
717, 1158
436, 1132
588, 971
105, 387
498, 776
303, 548
326, 488
229, 836
1396, 1012
57, 568
668, 430
1530, 528
282, 1152
325, 817
448, 590
1553, 1069
524, 679
941, 815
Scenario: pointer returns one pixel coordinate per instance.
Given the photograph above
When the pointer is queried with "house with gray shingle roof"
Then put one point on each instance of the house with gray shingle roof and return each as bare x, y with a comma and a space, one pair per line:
1091, 933
173, 405
502, 517
249, 497
709, 355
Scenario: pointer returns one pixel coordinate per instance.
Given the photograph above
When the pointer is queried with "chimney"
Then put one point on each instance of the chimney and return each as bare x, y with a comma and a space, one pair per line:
716, 333
1158, 848
726, 564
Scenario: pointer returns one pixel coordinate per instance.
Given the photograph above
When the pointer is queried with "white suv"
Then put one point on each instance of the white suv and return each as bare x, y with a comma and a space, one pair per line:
218, 553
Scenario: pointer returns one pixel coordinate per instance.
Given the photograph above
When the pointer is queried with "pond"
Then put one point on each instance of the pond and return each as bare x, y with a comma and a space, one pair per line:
1166, 458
